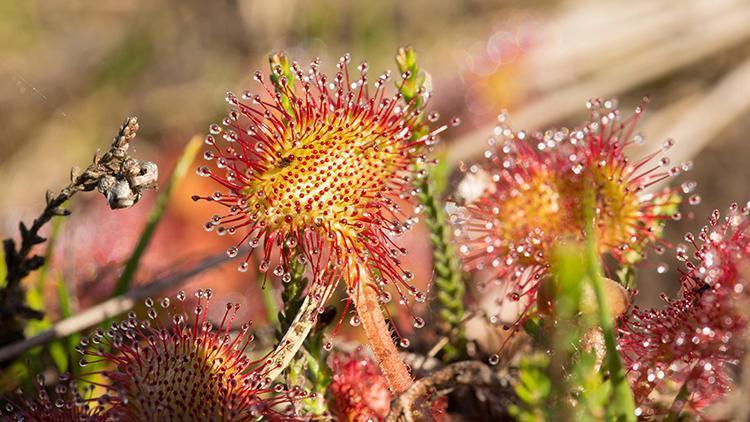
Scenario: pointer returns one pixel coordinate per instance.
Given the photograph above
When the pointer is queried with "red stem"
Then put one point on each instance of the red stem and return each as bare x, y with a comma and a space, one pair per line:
379, 335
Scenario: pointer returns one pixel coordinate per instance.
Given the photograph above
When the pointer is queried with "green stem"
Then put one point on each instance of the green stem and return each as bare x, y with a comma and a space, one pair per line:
566, 331
623, 403
450, 286
186, 159
269, 302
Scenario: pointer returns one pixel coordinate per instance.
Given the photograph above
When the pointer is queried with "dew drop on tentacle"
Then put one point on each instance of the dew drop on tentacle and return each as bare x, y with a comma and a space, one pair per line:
354, 321
419, 322
264, 265
494, 359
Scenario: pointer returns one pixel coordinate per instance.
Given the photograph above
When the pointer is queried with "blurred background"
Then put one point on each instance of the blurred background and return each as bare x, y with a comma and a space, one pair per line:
71, 71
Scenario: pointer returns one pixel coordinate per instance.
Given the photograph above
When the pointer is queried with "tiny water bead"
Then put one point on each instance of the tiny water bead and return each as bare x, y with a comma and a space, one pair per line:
263, 267
354, 321
419, 322
203, 171
494, 359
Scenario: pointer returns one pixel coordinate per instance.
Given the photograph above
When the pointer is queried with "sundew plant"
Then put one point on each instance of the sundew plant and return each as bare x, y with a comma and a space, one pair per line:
345, 243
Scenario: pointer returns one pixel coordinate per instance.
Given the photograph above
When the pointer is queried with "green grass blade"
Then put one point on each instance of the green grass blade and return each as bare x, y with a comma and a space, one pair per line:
180, 170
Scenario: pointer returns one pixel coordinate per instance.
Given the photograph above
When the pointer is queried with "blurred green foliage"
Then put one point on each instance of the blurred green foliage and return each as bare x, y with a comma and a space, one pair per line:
584, 388
127, 60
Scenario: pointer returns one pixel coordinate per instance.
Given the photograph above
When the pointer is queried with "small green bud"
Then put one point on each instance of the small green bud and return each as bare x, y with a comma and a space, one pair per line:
406, 59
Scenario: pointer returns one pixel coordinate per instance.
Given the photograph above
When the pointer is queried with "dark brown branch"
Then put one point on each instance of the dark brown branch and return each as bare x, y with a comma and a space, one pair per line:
119, 177
469, 373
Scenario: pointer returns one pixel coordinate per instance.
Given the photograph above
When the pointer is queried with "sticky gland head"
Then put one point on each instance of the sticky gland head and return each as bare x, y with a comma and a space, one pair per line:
184, 366
536, 197
317, 168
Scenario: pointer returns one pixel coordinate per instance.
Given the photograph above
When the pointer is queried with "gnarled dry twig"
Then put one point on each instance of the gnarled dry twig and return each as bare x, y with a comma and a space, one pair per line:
468, 373
119, 177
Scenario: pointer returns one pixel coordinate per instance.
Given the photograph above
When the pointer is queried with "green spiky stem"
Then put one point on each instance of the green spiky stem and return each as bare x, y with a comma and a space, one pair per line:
450, 286
292, 295
447, 267
312, 372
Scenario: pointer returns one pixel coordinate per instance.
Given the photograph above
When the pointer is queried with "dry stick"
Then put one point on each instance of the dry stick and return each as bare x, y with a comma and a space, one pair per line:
711, 37
115, 161
715, 111
109, 309
469, 373
295, 336
117, 175
640, 27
